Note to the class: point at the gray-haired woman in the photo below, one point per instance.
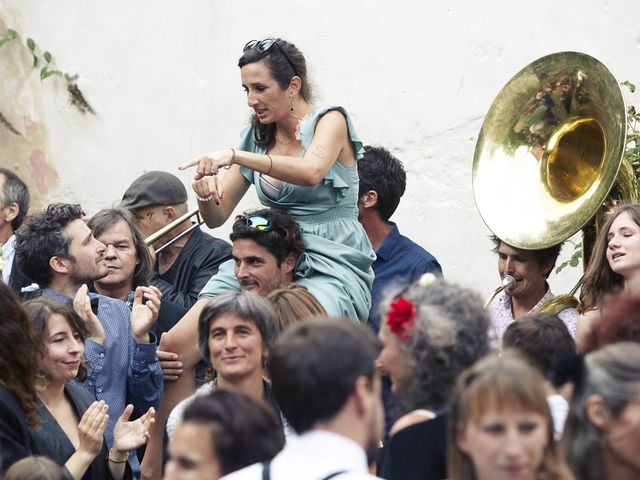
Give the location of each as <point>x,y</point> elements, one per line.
<point>430,332</point>
<point>235,332</point>
<point>602,433</point>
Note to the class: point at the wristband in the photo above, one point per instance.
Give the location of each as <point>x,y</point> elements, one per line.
<point>112,460</point>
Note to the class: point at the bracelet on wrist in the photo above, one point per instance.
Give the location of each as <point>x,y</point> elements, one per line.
<point>204,199</point>
<point>112,459</point>
<point>270,164</point>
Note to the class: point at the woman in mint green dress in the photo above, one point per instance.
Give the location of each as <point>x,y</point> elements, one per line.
<point>300,158</point>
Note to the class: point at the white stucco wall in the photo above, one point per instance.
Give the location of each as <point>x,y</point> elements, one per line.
<point>418,77</point>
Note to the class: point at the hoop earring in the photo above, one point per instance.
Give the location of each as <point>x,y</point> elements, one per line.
<point>41,381</point>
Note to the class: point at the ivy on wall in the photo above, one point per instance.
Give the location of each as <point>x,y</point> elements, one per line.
<point>43,60</point>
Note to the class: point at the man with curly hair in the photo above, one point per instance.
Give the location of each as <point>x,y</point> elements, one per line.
<point>57,249</point>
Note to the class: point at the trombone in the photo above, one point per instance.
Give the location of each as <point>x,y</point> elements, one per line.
<point>167,228</point>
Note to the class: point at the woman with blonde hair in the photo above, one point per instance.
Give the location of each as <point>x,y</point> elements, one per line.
<point>35,468</point>
<point>500,426</point>
<point>294,303</point>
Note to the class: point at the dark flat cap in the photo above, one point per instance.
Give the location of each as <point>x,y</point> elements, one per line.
<point>154,188</point>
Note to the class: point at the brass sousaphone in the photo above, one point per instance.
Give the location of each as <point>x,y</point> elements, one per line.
<point>549,155</point>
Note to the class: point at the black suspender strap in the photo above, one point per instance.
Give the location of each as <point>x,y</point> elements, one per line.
<point>334,475</point>
<point>266,472</point>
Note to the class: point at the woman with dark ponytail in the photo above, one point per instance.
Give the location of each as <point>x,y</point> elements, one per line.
<point>20,357</point>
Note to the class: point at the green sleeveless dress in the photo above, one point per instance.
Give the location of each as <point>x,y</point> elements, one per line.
<point>336,266</point>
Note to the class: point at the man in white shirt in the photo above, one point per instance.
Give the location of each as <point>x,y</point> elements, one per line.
<point>14,204</point>
<point>530,291</point>
<point>324,379</point>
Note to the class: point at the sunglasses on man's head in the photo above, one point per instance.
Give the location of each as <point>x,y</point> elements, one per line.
<point>258,222</point>
<point>263,46</point>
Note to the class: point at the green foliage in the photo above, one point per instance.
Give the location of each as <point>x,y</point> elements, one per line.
<point>575,259</point>
<point>76,98</point>
<point>632,148</point>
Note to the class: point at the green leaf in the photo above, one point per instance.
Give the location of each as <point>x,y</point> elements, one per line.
<point>5,40</point>
<point>12,33</point>
<point>43,73</point>
<point>629,85</point>
<point>35,60</point>
<point>47,56</point>
<point>31,44</point>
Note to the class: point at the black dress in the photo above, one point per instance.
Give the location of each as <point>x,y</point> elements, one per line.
<point>417,452</point>
<point>15,439</point>
<point>52,442</point>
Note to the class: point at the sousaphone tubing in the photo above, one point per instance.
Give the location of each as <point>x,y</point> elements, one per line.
<point>550,151</point>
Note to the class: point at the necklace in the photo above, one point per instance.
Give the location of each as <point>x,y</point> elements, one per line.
<point>282,141</point>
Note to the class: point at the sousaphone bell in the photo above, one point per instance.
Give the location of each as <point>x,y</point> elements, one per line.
<point>550,152</point>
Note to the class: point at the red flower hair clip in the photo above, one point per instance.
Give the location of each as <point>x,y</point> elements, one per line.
<point>401,318</point>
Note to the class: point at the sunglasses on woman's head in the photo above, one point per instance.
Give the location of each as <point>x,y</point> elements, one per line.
<point>263,46</point>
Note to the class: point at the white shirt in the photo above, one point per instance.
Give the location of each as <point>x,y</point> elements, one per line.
<point>559,409</point>
<point>178,411</point>
<point>502,315</point>
<point>8,254</point>
<point>313,455</point>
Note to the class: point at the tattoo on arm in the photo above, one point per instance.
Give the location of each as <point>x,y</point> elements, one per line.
<point>319,151</point>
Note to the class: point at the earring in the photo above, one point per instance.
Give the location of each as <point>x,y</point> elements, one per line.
<point>291,97</point>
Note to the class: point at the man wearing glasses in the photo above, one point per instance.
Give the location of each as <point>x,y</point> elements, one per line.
<point>156,199</point>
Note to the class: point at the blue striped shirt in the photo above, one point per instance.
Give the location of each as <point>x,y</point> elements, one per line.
<point>121,370</point>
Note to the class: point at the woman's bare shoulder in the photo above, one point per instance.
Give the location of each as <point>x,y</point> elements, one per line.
<point>411,418</point>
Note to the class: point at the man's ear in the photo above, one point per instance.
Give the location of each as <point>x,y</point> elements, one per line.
<point>597,412</point>
<point>10,212</point>
<point>369,199</point>
<point>170,213</point>
<point>289,262</point>
<point>59,264</point>
<point>362,391</point>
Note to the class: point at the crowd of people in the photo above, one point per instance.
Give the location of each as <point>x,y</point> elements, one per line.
<point>318,343</point>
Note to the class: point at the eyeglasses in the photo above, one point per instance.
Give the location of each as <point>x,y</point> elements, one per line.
<point>263,46</point>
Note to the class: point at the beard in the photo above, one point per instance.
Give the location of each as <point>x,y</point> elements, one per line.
<point>79,276</point>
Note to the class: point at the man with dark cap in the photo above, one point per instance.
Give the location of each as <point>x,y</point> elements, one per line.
<point>181,270</point>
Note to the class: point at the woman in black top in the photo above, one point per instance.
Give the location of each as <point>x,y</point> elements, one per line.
<point>71,422</point>
<point>430,331</point>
